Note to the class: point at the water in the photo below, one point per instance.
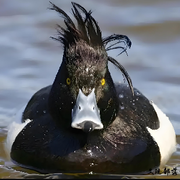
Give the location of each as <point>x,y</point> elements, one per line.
<point>30,58</point>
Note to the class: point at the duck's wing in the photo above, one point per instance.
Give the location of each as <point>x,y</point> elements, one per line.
<point>37,105</point>
<point>136,109</point>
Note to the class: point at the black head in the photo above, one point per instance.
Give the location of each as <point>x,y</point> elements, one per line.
<point>83,83</point>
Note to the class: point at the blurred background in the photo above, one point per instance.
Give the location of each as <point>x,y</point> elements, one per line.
<point>30,59</point>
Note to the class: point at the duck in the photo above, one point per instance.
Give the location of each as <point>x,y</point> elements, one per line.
<point>84,121</point>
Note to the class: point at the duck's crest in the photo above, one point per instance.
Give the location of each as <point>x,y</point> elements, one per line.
<point>87,29</point>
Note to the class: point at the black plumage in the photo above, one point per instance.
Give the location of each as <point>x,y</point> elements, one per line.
<point>49,143</point>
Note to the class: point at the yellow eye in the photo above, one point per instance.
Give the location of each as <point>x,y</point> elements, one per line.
<point>68,81</point>
<point>103,82</point>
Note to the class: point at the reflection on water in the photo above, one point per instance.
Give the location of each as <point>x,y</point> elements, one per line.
<point>30,59</point>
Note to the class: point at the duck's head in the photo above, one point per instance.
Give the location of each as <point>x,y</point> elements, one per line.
<point>83,95</point>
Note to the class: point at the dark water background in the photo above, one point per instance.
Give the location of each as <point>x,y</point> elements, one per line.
<point>29,58</point>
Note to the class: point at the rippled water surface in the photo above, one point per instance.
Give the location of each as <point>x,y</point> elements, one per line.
<point>29,59</point>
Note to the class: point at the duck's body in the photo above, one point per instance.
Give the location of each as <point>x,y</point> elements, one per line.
<point>85,122</point>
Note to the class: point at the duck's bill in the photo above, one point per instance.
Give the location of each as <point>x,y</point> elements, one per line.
<point>85,114</point>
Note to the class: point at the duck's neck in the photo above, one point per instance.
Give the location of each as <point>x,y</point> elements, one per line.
<point>109,104</point>
<point>60,101</point>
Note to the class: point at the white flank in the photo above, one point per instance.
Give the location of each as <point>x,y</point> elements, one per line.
<point>14,129</point>
<point>164,136</point>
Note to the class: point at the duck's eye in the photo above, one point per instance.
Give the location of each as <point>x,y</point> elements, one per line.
<point>68,81</point>
<point>103,82</point>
